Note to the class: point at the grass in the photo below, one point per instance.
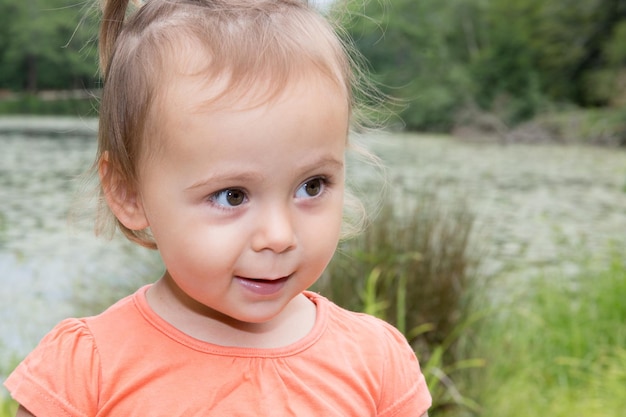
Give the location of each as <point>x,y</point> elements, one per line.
<point>560,350</point>
<point>8,407</point>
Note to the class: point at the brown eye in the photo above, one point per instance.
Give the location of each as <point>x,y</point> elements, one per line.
<point>234,197</point>
<point>311,188</point>
<point>229,198</point>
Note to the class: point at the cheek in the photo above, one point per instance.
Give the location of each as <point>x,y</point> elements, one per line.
<point>199,252</point>
<point>324,235</point>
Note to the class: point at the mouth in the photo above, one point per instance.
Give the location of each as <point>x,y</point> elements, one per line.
<point>263,286</point>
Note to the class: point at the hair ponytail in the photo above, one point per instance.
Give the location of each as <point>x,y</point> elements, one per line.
<point>113,15</point>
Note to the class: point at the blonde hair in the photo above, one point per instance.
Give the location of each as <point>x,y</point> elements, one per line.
<point>251,42</point>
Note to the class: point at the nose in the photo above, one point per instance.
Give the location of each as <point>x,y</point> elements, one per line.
<point>275,230</point>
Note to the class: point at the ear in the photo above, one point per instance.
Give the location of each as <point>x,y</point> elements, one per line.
<point>122,198</point>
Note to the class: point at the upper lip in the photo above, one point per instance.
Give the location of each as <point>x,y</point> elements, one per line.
<point>262,278</point>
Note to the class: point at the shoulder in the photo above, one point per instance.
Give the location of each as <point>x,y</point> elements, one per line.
<point>70,335</point>
<point>360,327</point>
<point>374,342</point>
<point>61,375</point>
<point>384,352</point>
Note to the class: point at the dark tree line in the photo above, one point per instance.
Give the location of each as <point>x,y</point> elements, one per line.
<point>513,58</point>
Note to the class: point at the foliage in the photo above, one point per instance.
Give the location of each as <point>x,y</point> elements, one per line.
<point>46,44</point>
<point>30,104</point>
<point>412,267</point>
<point>411,52</point>
<point>561,345</point>
<point>513,58</point>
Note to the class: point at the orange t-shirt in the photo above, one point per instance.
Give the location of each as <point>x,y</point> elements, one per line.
<point>129,362</point>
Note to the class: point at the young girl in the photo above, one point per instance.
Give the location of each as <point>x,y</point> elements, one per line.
<point>222,137</point>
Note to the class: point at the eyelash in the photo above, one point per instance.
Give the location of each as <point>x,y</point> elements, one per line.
<point>325,182</point>
<point>213,198</point>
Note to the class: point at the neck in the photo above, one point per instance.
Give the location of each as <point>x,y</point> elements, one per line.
<point>201,322</point>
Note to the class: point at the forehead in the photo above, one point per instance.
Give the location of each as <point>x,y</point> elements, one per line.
<point>191,68</point>
<point>195,94</point>
<point>307,122</point>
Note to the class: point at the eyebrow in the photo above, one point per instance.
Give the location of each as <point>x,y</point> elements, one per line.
<point>326,162</point>
<point>235,177</point>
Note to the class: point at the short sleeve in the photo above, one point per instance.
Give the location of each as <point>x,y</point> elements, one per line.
<point>60,376</point>
<point>404,393</point>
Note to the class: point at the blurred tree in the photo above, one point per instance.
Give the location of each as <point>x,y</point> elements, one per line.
<point>513,58</point>
<point>417,54</point>
<point>601,70</point>
<point>46,44</point>
<point>505,71</point>
<point>563,40</point>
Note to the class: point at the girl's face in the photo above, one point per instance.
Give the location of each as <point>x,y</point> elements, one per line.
<point>245,203</point>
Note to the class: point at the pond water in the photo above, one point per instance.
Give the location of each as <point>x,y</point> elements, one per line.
<point>535,207</point>
<point>52,267</point>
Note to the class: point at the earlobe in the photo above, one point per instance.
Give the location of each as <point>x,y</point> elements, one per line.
<point>123,200</point>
